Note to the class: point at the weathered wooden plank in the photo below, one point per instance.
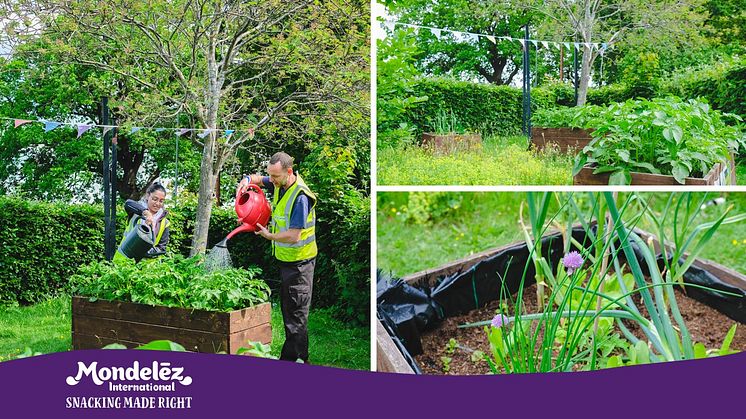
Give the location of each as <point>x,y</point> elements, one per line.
<point>83,341</point>
<point>260,333</point>
<point>389,359</point>
<point>586,177</point>
<point>192,340</point>
<point>565,139</point>
<point>209,321</point>
<point>249,317</point>
<point>451,142</point>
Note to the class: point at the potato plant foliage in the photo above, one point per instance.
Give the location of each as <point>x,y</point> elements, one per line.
<point>660,136</point>
<point>172,281</point>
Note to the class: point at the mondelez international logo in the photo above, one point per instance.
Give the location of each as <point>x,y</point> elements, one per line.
<point>155,373</point>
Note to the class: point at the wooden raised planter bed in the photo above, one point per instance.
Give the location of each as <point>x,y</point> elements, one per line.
<point>391,359</point>
<point>449,143</point>
<point>99,323</point>
<point>566,140</point>
<point>720,174</point>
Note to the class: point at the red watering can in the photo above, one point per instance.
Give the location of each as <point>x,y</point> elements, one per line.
<point>252,208</point>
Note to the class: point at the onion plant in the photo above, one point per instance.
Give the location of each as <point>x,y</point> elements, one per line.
<point>592,287</point>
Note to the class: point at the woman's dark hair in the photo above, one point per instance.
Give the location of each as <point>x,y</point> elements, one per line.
<point>155,186</point>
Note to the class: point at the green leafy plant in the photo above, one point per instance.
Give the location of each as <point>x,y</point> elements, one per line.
<point>172,281</point>
<point>660,136</point>
<point>257,349</point>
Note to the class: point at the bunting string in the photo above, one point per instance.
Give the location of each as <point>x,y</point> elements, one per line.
<point>471,36</point>
<point>83,128</point>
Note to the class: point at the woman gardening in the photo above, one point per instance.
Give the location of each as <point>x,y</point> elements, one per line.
<point>147,212</point>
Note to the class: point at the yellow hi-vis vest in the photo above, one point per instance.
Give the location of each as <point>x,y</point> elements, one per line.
<point>133,221</point>
<point>305,248</point>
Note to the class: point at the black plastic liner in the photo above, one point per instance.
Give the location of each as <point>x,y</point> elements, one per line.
<point>408,311</point>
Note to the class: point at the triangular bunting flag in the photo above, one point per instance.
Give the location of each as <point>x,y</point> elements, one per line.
<point>545,44</point>
<point>535,42</point>
<point>160,129</point>
<point>492,39</point>
<point>19,122</point>
<point>567,45</point>
<point>82,129</point>
<point>523,43</point>
<point>577,46</point>
<point>435,32</point>
<point>50,125</point>
<point>134,130</point>
<point>108,128</point>
<point>182,131</point>
<point>204,133</point>
<point>228,132</point>
<point>388,25</point>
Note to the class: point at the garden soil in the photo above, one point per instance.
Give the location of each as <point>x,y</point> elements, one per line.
<point>706,325</point>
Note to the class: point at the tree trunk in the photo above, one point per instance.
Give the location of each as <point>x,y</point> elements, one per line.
<point>204,201</point>
<point>585,75</point>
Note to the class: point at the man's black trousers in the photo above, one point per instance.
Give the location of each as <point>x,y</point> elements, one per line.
<point>295,301</point>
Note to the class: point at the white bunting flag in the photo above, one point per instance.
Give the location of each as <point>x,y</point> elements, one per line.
<point>492,39</point>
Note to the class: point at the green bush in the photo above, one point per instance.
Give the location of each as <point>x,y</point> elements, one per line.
<point>44,244</point>
<point>606,95</point>
<point>722,83</point>
<point>477,107</point>
<point>483,108</point>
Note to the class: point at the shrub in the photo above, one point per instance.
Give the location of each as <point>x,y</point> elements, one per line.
<point>478,107</point>
<point>722,83</point>
<point>44,244</point>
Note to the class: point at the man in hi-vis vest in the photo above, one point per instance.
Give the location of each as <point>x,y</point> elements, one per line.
<point>293,235</point>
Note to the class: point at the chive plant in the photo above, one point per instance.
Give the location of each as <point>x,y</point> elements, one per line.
<point>591,284</point>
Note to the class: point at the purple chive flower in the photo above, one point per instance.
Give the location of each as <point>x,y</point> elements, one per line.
<point>572,261</point>
<point>499,321</point>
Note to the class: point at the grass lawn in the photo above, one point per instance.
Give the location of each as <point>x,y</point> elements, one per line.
<point>45,328</point>
<point>502,161</point>
<point>740,173</point>
<point>487,220</point>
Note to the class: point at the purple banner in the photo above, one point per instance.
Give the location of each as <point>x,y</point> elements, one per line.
<point>118,383</point>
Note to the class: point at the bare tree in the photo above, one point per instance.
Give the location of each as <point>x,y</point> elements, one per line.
<point>604,21</point>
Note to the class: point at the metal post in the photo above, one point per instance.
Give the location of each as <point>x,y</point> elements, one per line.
<point>108,251</point>
<point>575,70</point>
<point>526,86</point>
<point>176,177</point>
<point>113,206</point>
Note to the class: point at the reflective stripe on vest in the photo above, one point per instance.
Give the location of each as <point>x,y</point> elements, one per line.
<point>305,248</point>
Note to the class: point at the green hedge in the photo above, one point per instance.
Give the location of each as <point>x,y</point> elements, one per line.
<point>723,84</point>
<point>477,107</point>
<point>490,109</point>
<point>43,244</point>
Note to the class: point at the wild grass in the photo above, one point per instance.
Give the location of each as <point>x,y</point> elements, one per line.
<point>502,161</point>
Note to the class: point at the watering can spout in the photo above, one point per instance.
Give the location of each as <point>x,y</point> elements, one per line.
<point>223,244</point>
